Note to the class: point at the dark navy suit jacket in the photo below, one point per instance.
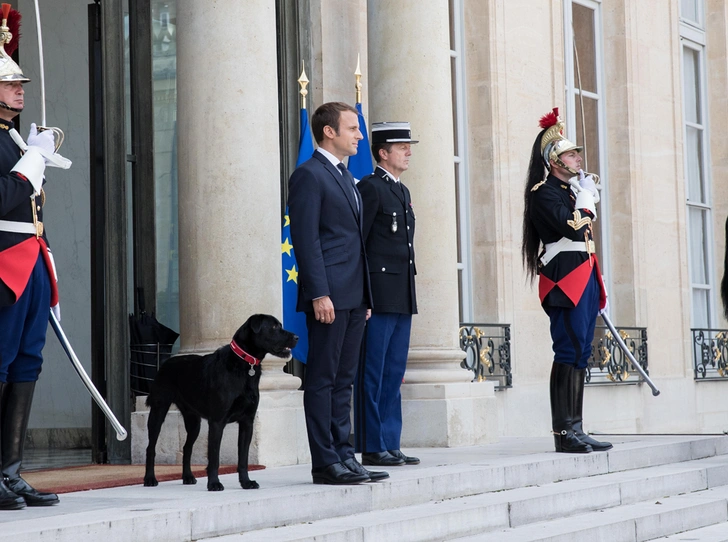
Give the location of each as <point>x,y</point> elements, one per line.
<point>327,237</point>
<point>391,254</point>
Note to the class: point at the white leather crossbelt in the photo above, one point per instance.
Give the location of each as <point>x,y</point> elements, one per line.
<point>564,245</point>
<point>17,227</point>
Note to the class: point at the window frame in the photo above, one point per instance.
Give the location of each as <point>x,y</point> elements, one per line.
<point>693,37</point>
<point>460,161</point>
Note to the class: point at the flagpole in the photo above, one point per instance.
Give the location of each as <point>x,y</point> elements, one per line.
<point>357,75</point>
<point>303,82</point>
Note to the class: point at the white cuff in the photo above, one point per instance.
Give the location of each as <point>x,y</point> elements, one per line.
<point>585,200</point>
<point>32,165</point>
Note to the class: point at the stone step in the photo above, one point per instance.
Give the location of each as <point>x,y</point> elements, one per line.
<point>453,480</point>
<point>501,510</point>
<point>638,522</point>
<point>713,533</point>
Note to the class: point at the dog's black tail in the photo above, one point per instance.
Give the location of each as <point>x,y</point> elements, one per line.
<point>724,282</point>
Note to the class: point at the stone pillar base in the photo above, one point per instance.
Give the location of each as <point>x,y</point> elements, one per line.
<point>279,434</point>
<point>449,414</point>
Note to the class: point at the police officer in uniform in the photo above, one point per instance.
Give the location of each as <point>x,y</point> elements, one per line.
<point>558,245</point>
<point>389,228</point>
<point>27,278</point>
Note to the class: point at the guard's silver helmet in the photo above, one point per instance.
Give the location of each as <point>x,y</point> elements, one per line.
<point>9,70</point>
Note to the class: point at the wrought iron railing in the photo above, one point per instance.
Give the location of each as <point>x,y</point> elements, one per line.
<point>710,354</point>
<point>487,350</point>
<point>608,364</point>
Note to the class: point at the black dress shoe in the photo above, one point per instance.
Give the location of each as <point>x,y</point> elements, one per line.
<point>10,500</point>
<point>337,474</point>
<point>32,496</point>
<point>354,466</point>
<point>408,460</point>
<point>381,459</point>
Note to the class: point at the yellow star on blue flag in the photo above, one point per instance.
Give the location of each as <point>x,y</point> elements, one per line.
<point>286,247</point>
<point>292,274</point>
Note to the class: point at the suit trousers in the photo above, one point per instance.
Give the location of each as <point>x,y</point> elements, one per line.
<point>333,355</point>
<point>572,330</point>
<point>23,327</point>
<point>378,401</point>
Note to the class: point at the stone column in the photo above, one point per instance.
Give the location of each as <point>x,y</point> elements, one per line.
<point>229,198</point>
<point>409,74</point>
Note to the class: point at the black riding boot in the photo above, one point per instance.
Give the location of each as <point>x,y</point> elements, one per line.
<point>17,399</point>
<point>561,411</point>
<point>578,408</point>
<point>8,499</point>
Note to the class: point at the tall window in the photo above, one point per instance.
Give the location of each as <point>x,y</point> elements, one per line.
<point>584,100</point>
<point>697,178</point>
<point>462,187</point>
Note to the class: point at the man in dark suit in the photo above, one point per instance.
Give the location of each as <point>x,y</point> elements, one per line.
<point>333,290</point>
<point>389,229</point>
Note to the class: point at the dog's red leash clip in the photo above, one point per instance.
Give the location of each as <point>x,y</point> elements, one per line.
<point>242,354</point>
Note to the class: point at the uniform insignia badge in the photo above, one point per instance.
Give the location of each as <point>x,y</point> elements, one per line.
<point>251,372</point>
<point>394,222</point>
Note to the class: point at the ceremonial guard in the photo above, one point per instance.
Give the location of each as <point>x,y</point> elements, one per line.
<point>389,228</point>
<point>27,273</point>
<point>558,245</point>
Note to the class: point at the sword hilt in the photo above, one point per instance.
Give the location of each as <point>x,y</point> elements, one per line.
<point>58,135</point>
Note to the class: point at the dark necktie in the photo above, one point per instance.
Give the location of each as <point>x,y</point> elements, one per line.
<point>347,175</point>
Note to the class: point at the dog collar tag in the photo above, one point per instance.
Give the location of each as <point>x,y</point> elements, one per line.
<point>242,354</point>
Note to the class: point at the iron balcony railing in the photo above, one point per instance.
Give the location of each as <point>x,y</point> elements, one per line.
<point>487,350</point>
<point>608,364</point>
<point>710,354</point>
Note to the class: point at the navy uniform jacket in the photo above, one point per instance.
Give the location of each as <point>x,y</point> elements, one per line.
<point>326,233</point>
<point>18,251</point>
<point>391,254</point>
<point>563,279</point>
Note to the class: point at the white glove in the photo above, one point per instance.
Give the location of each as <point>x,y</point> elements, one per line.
<point>57,311</point>
<point>586,182</point>
<point>44,140</point>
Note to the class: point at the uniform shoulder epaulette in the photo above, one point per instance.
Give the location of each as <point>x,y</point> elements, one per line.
<point>538,185</point>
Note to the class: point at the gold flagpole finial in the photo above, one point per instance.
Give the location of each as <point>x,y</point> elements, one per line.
<point>357,74</point>
<point>303,82</point>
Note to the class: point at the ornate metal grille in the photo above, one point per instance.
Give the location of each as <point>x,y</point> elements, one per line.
<point>487,350</point>
<point>608,364</point>
<point>710,354</point>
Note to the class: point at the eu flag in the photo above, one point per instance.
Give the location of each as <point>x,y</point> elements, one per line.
<point>295,321</point>
<point>360,164</point>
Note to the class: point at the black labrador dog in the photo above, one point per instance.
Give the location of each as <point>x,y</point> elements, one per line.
<point>221,387</point>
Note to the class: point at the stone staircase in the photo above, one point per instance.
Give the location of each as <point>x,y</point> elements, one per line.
<point>646,488</point>
<point>635,492</point>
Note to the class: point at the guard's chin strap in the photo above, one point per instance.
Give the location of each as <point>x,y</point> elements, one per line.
<point>13,109</point>
<point>561,164</point>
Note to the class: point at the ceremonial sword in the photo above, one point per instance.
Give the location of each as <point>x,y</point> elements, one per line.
<point>577,188</point>
<point>623,348</point>
<point>121,433</point>
<point>617,337</point>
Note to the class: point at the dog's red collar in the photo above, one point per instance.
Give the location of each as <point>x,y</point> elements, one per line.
<point>242,354</point>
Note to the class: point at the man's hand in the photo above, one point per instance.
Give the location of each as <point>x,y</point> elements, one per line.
<point>323,310</point>
<point>369,313</point>
<point>44,140</point>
